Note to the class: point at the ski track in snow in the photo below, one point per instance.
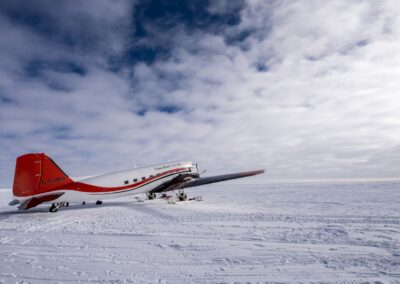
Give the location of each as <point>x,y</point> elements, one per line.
<point>264,233</point>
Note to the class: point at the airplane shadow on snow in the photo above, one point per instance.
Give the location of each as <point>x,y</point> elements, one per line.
<point>131,205</point>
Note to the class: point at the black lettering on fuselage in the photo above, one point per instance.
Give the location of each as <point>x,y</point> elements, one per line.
<point>53,180</point>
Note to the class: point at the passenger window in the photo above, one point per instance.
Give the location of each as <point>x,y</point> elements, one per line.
<point>135,180</point>
<point>126,182</point>
<point>143,178</point>
<point>151,176</point>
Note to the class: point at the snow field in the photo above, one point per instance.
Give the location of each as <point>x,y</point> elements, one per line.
<point>269,233</point>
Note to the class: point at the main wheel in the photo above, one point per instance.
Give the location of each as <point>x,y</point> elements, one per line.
<point>182,196</point>
<point>151,195</point>
<point>99,202</point>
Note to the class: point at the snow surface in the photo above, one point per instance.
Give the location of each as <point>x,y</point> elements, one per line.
<point>285,233</point>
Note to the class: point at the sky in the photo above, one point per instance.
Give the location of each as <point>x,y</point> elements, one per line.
<point>304,89</point>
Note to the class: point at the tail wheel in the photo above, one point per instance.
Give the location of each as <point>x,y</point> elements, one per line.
<point>53,208</point>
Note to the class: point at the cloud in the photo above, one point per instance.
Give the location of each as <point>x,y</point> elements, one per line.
<point>304,89</point>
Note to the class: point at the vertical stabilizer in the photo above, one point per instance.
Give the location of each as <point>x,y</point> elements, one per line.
<point>36,173</point>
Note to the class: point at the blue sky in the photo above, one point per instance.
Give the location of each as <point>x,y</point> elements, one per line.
<point>305,89</point>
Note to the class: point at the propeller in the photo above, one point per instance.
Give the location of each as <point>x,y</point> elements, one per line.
<point>197,167</point>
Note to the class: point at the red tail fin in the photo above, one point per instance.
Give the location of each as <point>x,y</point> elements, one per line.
<point>36,173</point>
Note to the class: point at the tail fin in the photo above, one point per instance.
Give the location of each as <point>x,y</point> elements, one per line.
<point>36,173</point>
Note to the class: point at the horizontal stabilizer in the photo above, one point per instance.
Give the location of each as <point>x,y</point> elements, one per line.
<point>35,201</point>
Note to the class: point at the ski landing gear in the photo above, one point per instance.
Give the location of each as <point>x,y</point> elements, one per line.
<point>151,195</point>
<point>181,195</point>
<point>54,207</point>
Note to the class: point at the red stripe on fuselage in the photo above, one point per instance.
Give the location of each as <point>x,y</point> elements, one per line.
<point>83,187</point>
<point>89,188</point>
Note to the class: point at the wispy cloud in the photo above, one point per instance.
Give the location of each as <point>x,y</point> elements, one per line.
<point>305,89</point>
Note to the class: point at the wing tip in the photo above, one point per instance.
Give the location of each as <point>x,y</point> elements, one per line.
<point>257,172</point>
<point>252,173</point>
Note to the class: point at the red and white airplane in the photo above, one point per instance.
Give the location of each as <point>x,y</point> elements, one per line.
<point>38,180</point>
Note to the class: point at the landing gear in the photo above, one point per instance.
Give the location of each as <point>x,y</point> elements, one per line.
<point>99,202</point>
<point>83,203</point>
<point>54,207</point>
<point>151,195</point>
<point>182,196</point>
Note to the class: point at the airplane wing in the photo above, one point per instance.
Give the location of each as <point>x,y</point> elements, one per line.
<point>212,179</point>
<point>191,180</point>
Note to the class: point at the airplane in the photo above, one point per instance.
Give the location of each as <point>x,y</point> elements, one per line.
<point>38,179</point>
